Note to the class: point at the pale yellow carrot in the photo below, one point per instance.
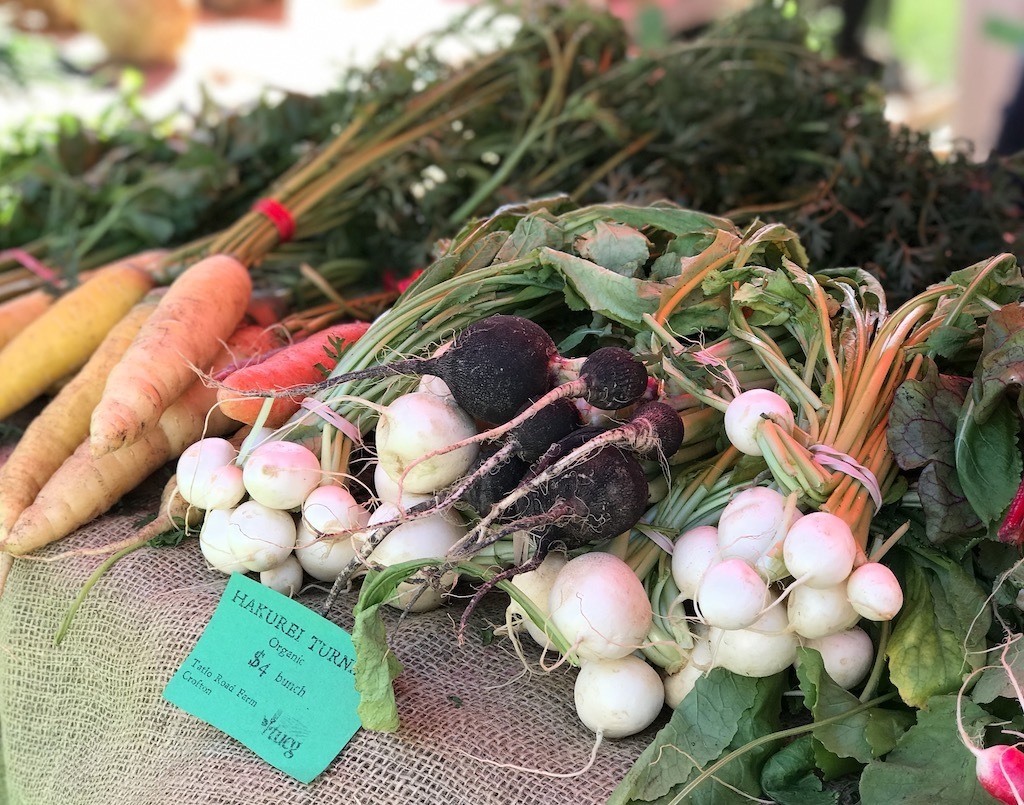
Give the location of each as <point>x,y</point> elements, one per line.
<point>61,426</point>
<point>85,486</point>
<point>62,338</point>
<point>201,308</point>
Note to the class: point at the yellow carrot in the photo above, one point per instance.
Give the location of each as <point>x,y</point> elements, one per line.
<point>61,426</point>
<point>16,313</point>
<point>85,486</point>
<point>201,308</point>
<point>61,339</point>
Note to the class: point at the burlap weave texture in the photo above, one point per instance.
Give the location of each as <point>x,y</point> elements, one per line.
<point>84,723</point>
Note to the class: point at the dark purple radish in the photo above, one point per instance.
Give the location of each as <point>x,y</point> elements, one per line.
<point>493,368</point>
<point>532,438</point>
<point>610,378</point>
<point>654,432</point>
<point>497,471</point>
<point>530,488</point>
<point>599,498</point>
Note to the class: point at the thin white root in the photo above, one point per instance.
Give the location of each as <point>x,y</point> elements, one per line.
<point>561,775</point>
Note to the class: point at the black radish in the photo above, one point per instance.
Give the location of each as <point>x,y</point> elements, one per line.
<point>493,367</point>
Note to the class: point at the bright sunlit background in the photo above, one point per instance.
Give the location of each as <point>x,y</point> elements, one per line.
<point>948,65</point>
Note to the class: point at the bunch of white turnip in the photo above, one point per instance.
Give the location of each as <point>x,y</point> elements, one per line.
<point>756,585</point>
<point>273,510</point>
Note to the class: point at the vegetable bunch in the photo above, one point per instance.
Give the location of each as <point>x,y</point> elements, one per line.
<point>719,315</point>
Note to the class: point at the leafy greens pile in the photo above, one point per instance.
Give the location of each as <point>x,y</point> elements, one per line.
<point>746,121</point>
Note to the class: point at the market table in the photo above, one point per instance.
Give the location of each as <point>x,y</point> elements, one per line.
<point>84,723</point>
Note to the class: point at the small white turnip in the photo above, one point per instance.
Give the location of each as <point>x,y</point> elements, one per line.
<point>536,585</point>
<point>816,612</point>
<point>419,423</point>
<point>600,606</point>
<point>731,595</point>
<point>820,550</point>
<point>847,655</point>
<point>679,684</point>
<point>332,510</point>
<point>323,558</point>
<point>213,542</point>
<point>260,537</point>
<point>766,647</point>
<point>618,697</point>
<point>281,474</point>
<point>207,478</point>
<point>746,414</point>
<point>323,541</point>
<point>694,552</point>
<point>387,490</point>
<point>425,538</point>
<point>286,578</point>
<point>753,526</point>
<point>875,592</point>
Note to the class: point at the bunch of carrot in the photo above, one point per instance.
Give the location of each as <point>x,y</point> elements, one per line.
<point>137,360</point>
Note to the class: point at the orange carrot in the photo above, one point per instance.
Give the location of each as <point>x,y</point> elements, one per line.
<point>16,313</point>
<point>63,337</point>
<point>296,365</point>
<point>201,308</point>
<point>60,427</point>
<point>85,486</point>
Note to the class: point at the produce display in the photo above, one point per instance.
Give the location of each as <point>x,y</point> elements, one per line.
<point>759,495</point>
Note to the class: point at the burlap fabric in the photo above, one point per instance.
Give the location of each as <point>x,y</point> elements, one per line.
<point>84,723</point>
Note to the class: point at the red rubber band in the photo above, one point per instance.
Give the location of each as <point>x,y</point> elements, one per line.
<point>279,217</point>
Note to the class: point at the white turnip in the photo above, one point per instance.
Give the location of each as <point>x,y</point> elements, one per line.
<point>700,662</point>
<point>424,538</point>
<point>847,655</point>
<point>731,595</point>
<point>764,648</point>
<point>815,612</point>
<point>600,606</point>
<point>694,552</point>
<point>286,578</point>
<point>746,414</point>
<point>536,585</point>
<point>213,542</point>
<point>753,526</point>
<point>207,476</point>
<point>618,697</point>
<point>416,424</point>
<point>260,537</point>
<point>819,550</point>
<point>280,474</point>
<point>875,592</point>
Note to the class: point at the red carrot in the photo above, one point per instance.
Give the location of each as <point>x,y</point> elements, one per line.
<point>300,364</point>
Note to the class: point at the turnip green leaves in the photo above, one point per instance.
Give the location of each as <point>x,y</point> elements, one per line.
<point>933,645</point>
<point>723,712</point>
<point>929,765</point>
